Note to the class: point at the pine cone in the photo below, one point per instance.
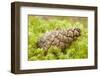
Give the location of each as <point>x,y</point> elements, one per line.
<point>59,38</point>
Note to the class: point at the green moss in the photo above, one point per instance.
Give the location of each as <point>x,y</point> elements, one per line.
<point>38,25</point>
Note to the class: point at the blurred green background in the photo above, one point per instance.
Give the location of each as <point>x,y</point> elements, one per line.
<point>38,25</point>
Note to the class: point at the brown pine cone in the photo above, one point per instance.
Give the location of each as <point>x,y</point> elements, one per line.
<point>59,38</point>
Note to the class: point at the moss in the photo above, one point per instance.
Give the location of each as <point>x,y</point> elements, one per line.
<point>37,25</point>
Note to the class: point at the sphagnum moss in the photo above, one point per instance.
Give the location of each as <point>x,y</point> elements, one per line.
<point>38,25</point>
